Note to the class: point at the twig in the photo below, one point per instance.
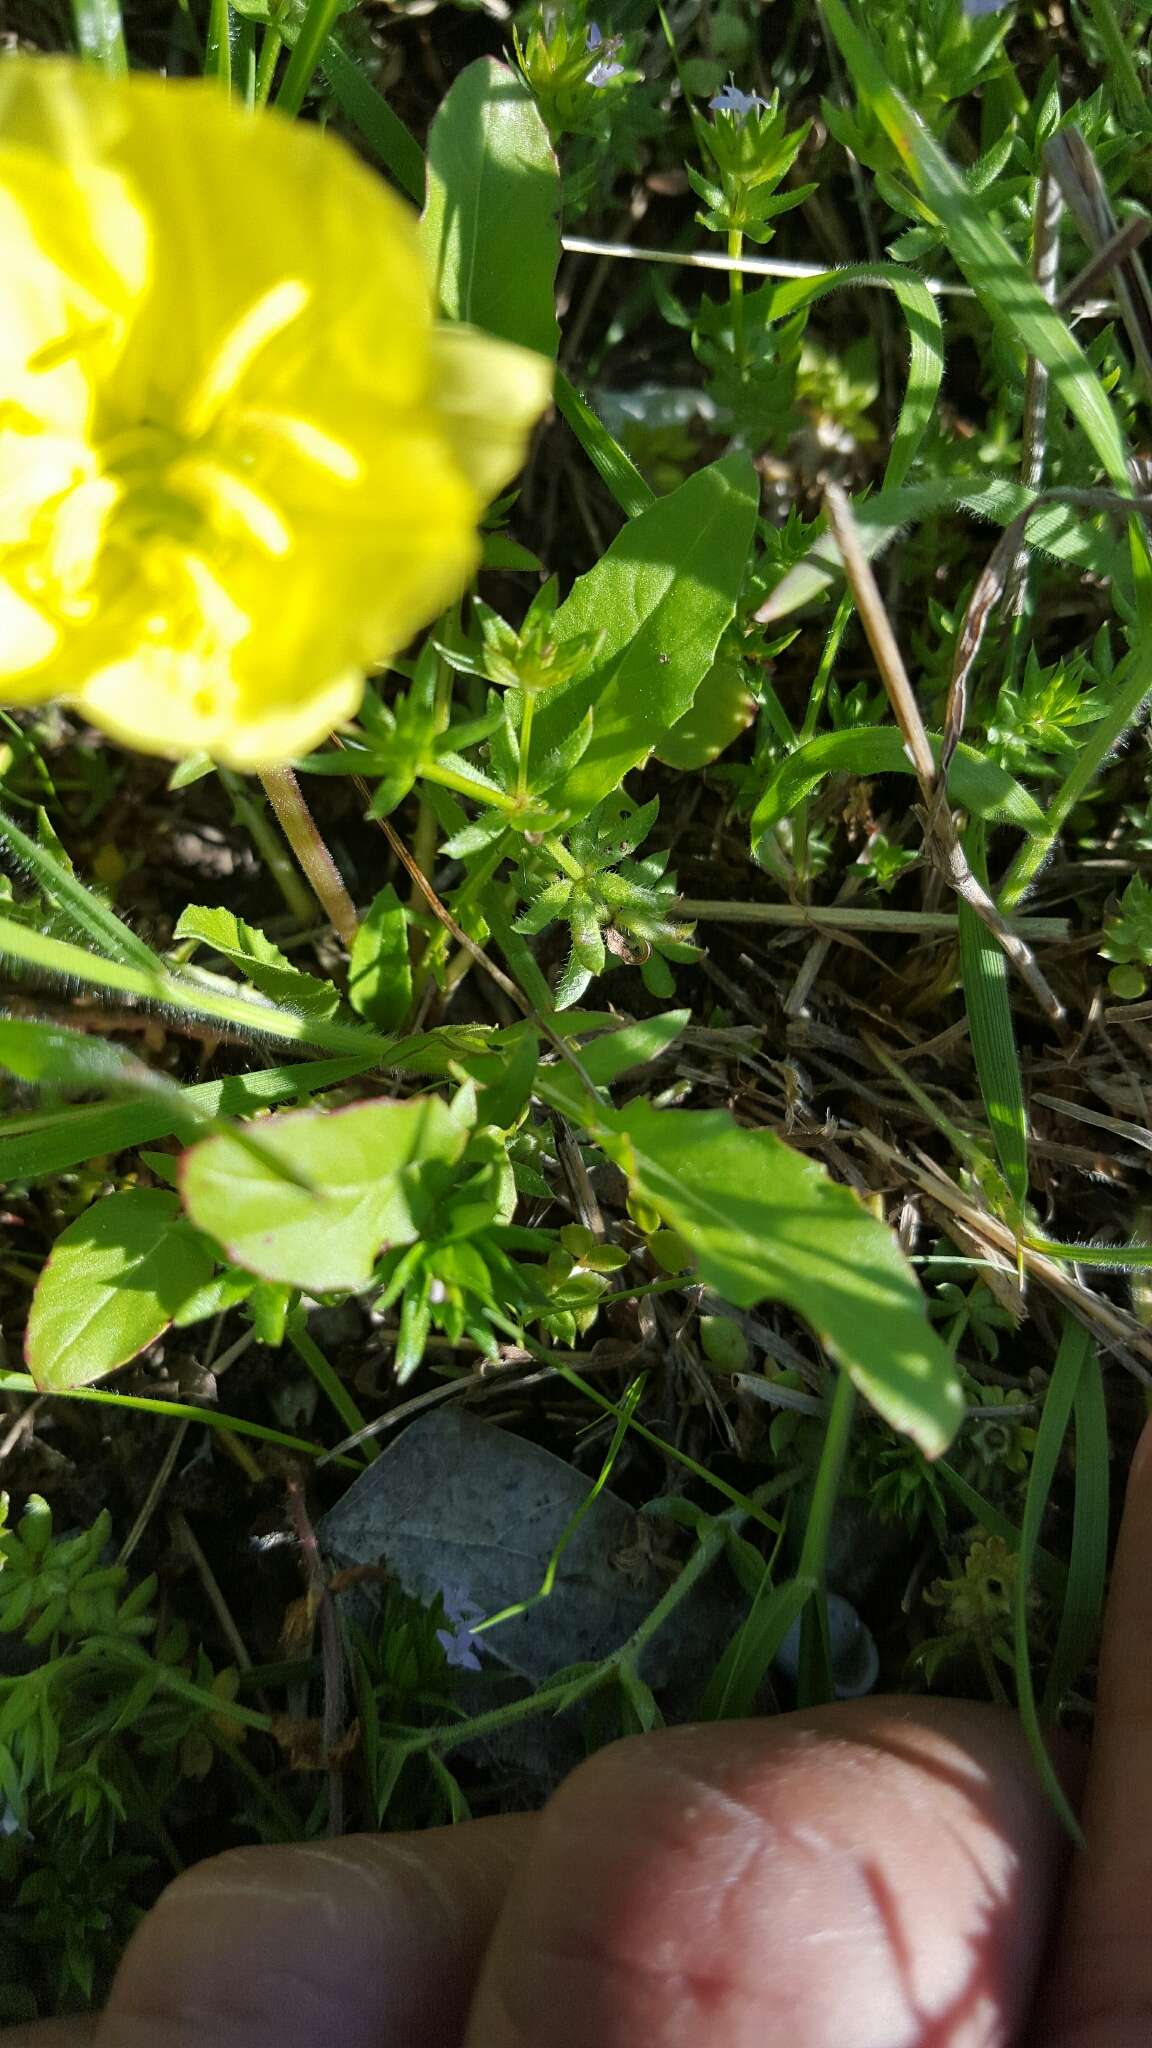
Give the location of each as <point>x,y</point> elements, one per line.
<point>189,1543</point>
<point>163,1475</point>
<point>1074,167</point>
<point>474,951</point>
<point>939,830</point>
<point>752,266</point>
<point>331,1649</point>
<point>1045,270</point>
<point>22,1426</point>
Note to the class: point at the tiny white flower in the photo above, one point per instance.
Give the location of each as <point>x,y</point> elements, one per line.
<point>730,100</point>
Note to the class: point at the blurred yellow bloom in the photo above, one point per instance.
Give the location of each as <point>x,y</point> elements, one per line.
<point>239,461</point>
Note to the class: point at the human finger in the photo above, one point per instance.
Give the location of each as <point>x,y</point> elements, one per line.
<point>874,1875</point>
<point>369,1942</point>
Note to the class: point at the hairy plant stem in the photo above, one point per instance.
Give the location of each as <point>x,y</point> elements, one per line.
<point>300,830</point>
<point>196,995</point>
<point>268,845</point>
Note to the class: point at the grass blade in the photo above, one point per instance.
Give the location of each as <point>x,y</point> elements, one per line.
<point>384,132</point>
<point>604,452</point>
<point>178,1411</point>
<point>1061,531</point>
<point>984,972</point>
<point>984,788</point>
<point>1088,1562</point>
<point>218,44</point>
<point>302,65</point>
<point>815,1685</point>
<point>1051,1573</point>
<point>1072,1360</point>
<point>731,1692</point>
<point>49,956</point>
<point>1116,1258</point>
<point>52,1141</point>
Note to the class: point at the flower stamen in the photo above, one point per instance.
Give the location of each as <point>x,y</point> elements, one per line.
<point>256,328</point>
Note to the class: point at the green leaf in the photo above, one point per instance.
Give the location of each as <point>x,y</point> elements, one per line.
<point>506,1080</point>
<point>765,1223</point>
<point>662,596</point>
<point>721,710</point>
<point>491,219</point>
<point>981,786</point>
<point>380,973</point>
<point>368,1189</point>
<point>263,964</point>
<point>112,1284</point>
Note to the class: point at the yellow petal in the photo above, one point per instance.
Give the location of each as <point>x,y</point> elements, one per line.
<point>27,639</point>
<point>158,702</point>
<point>75,244</point>
<point>489,395</point>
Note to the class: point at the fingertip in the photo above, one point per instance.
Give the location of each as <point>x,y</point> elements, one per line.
<point>873,1873</point>
<point>369,1942</point>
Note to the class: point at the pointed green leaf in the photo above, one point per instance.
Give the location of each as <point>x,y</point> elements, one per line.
<point>491,221</point>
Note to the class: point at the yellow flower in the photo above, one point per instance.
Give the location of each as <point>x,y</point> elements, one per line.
<point>239,461</point>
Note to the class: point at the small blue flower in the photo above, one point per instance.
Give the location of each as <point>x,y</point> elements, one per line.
<point>458,1642</point>
<point>730,100</point>
<point>972,7</point>
<point>602,72</point>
